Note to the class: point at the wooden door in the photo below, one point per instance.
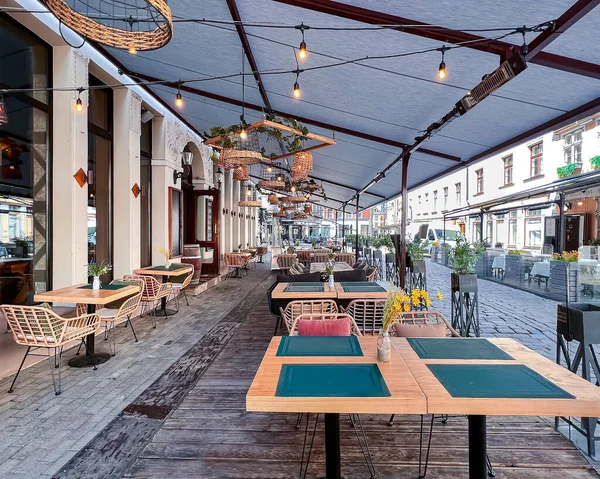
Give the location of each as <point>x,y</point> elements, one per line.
<point>202,227</point>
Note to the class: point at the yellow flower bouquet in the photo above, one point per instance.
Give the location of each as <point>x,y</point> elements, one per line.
<point>168,254</point>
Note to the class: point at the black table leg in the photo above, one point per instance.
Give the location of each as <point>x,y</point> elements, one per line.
<point>163,302</point>
<point>477,447</point>
<point>91,358</point>
<point>333,460</point>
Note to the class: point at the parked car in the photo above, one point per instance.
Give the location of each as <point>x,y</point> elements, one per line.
<point>435,231</point>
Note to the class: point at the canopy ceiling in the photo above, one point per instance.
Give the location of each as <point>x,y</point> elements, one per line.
<point>375,106</point>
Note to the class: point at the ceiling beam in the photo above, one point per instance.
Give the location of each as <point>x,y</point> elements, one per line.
<point>317,123</point>
<point>235,14</point>
<point>575,13</point>
<point>446,35</point>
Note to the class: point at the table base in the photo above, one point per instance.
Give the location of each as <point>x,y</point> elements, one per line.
<point>86,361</point>
<point>477,447</point>
<point>164,312</point>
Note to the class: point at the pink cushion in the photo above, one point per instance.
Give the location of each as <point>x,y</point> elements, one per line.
<point>405,330</point>
<point>324,327</point>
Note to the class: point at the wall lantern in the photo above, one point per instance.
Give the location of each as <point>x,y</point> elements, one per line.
<point>219,174</point>
<point>187,158</point>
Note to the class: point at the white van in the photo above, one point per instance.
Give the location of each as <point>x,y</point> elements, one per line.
<point>434,231</point>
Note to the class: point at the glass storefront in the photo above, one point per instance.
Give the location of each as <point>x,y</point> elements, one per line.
<point>25,165</point>
<point>146,193</point>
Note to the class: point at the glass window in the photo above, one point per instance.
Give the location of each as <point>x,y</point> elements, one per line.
<point>572,146</point>
<point>146,194</point>
<point>512,232</point>
<point>446,198</point>
<point>458,194</point>
<point>479,176</point>
<point>537,160</point>
<point>25,159</point>
<point>508,170</point>
<point>490,232</point>
<point>451,235</point>
<point>533,232</point>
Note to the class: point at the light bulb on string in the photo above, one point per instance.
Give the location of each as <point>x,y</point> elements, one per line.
<point>293,189</point>
<point>296,90</point>
<point>178,97</point>
<point>269,168</point>
<point>78,102</point>
<point>442,72</point>
<point>302,52</point>
<point>243,134</point>
<point>132,50</point>
<point>249,191</point>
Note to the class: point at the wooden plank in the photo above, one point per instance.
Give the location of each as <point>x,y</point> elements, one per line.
<point>76,294</point>
<point>280,293</point>
<point>151,271</point>
<point>341,294</point>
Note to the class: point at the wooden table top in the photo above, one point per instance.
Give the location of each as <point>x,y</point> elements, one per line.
<point>338,266</point>
<point>415,390</point>
<point>585,404</point>
<point>406,395</point>
<point>341,294</point>
<point>162,272</point>
<point>76,294</point>
<point>280,293</point>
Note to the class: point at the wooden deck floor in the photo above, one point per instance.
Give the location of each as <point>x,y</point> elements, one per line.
<point>210,435</point>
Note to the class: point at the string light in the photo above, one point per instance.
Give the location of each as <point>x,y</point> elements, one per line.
<point>302,52</point>
<point>442,69</point>
<point>249,191</point>
<point>269,168</point>
<point>78,102</point>
<point>296,85</point>
<point>293,189</point>
<point>132,50</point>
<point>243,134</point>
<point>178,97</point>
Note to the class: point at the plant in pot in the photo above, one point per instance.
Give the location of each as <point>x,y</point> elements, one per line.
<point>415,255</point>
<point>95,270</point>
<point>464,257</point>
<point>564,276</point>
<point>595,162</point>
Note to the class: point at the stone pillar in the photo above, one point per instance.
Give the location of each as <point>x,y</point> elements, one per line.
<point>243,230</point>
<point>69,154</point>
<point>162,178</point>
<point>236,219</point>
<point>126,174</point>
<point>222,217</point>
<point>228,182</point>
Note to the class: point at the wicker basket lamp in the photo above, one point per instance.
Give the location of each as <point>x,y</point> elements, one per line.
<point>273,199</point>
<point>280,214</point>
<point>293,200</point>
<point>248,196</point>
<point>132,25</point>
<point>271,177</point>
<point>299,215</point>
<point>241,173</point>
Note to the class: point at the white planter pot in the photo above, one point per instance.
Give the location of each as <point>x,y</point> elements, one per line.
<point>96,282</point>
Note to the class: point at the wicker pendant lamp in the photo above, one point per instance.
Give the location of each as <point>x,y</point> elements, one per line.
<point>299,215</point>
<point>273,199</point>
<point>248,197</point>
<point>134,25</point>
<point>240,173</point>
<point>271,177</point>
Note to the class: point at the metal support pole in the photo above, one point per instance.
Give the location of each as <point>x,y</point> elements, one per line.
<point>477,447</point>
<point>333,461</point>
<point>344,228</point>
<point>561,224</point>
<point>336,226</point>
<point>357,201</point>
<point>481,226</point>
<point>405,161</point>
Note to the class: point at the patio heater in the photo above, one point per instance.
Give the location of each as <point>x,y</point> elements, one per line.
<point>187,158</point>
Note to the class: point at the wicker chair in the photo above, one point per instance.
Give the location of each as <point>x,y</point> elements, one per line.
<point>325,317</point>
<point>322,250</point>
<point>285,262</point>
<point>417,324</point>
<point>348,258</point>
<point>304,256</point>
<point>252,258</point>
<point>180,283</point>
<point>320,257</point>
<point>296,308</point>
<point>260,252</point>
<point>367,313</point>
<point>37,327</point>
<point>236,264</point>
<point>152,293</point>
<point>371,272</point>
<point>119,310</point>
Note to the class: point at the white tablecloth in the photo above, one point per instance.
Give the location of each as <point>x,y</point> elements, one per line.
<point>541,269</point>
<point>498,262</point>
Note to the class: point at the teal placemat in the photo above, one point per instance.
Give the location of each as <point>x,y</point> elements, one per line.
<point>319,346</point>
<point>173,267</point>
<point>456,348</point>
<point>305,283</point>
<point>364,289</point>
<point>495,381</point>
<point>367,284</point>
<point>331,380</point>
<point>105,286</point>
<point>304,288</point>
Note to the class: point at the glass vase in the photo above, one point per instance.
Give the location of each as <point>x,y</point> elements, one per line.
<point>96,282</point>
<point>384,347</point>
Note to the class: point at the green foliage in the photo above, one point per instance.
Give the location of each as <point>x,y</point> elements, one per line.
<point>595,162</point>
<point>98,269</point>
<point>595,242</point>
<point>384,241</point>
<point>416,249</point>
<point>464,256</point>
<point>567,170</point>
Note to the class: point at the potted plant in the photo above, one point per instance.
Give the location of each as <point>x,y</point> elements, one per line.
<point>595,162</point>
<point>415,255</point>
<point>564,276</point>
<point>513,265</point>
<point>569,169</point>
<point>95,270</point>
<point>464,257</point>
<point>168,254</point>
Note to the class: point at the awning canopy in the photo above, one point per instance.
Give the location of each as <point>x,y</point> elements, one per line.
<point>375,107</point>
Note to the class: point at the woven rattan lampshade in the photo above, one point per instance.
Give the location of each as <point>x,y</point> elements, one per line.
<point>299,215</point>
<point>280,214</point>
<point>298,173</point>
<point>133,25</point>
<point>273,199</point>
<point>304,160</point>
<point>307,209</point>
<point>240,173</point>
<point>271,177</point>
<point>293,200</point>
<point>241,157</point>
<point>248,196</point>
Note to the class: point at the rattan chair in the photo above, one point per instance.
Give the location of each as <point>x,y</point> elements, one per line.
<point>117,311</point>
<point>296,268</point>
<point>320,258</point>
<point>180,283</point>
<point>348,258</point>
<point>236,264</point>
<point>304,256</point>
<point>37,327</point>
<point>252,258</point>
<point>371,273</point>
<point>152,293</point>
<point>296,308</point>
<point>260,252</point>
<point>285,262</point>
<point>325,317</point>
<point>424,320</point>
<point>367,313</point>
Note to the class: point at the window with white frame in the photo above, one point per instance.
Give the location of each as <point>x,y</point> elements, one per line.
<point>479,176</point>
<point>458,194</point>
<point>434,200</point>
<point>508,170</point>
<point>445,197</point>
<point>536,164</point>
<point>533,232</point>
<point>572,146</point>
<point>512,232</point>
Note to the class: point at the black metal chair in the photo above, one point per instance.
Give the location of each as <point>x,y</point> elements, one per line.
<point>274,307</point>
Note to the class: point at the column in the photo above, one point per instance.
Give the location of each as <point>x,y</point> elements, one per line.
<point>126,174</point>
<point>228,182</point>
<point>162,178</point>
<point>222,232</point>
<point>69,154</point>
<point>243,227</point>
<point>236,219</point>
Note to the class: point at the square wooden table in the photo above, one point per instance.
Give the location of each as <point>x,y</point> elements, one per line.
<point>80,293</point>
<point>406,397</point>
<point>548,389</point>
<point>372,290</point>
<point>174,270</point>
<point>584,400</point>
<point>280,292</point>
<point>338,266</point>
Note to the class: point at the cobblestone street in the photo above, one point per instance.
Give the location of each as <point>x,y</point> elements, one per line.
<point>504,311</point>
